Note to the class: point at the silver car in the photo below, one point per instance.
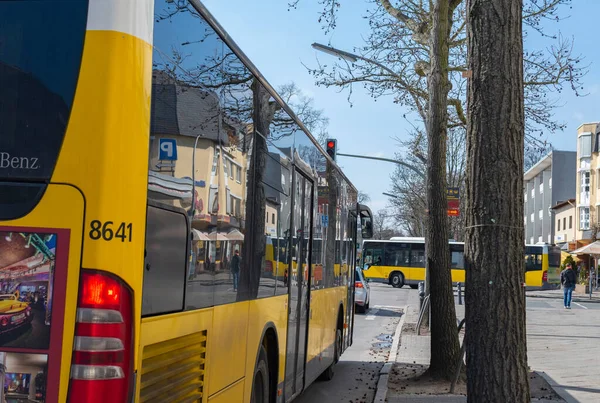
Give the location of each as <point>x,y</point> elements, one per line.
<point>362,292</point>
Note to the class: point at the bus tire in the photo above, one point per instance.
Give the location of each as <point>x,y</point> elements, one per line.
<point>260,382</point>
<point>328,374</point>
<point>397,280</point>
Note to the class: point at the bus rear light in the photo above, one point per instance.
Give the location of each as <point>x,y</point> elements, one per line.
<point>89,315</point>
<point>100,292</point>
<point>545,276</point>
<point>358,284</point>
<point>102,363</point>
<point>96,372</point>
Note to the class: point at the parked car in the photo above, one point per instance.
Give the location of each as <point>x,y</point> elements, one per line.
<point>362,292</point>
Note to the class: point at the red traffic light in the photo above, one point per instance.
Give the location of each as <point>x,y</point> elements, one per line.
<point>330,144</point>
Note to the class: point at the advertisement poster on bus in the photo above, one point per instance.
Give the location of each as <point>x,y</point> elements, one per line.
<point>24,377</point>
<point>27,267</point>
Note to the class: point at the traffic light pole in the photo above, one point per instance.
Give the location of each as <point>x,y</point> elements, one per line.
<point>404,164</point>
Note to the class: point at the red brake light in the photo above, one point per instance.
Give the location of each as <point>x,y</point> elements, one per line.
<point>358,284</point>
<point>102,363</point>
<point>100,291</point>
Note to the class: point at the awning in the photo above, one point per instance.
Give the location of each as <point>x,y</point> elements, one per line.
<point>591,249</point>
<point>235,235</point>
<point>217,236</point>
<point>199,235</point>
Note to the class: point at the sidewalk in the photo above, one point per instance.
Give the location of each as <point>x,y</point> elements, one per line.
<point>413,356</point>
<point>558,294</point>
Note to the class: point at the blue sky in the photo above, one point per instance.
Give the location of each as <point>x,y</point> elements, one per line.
<point>278,42</point>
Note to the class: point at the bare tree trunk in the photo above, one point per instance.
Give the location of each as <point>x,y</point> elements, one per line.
<point>444,336</point>
<point>495,301</point>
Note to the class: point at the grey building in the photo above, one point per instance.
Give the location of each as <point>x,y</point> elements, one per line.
<point>550,181</point>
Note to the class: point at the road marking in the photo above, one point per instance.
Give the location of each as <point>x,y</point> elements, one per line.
<point>584,307</point>
<point>372,315</point>
<point>387,306</point>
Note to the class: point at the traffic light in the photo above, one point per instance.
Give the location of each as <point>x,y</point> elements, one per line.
<point>331,148</point>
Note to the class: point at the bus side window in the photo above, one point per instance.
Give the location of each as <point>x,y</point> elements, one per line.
<point>458,259</point>
<point>417,256</point>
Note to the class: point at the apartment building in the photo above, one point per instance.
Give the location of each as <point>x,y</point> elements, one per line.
<point>547,183</point>
<point>588,179</point>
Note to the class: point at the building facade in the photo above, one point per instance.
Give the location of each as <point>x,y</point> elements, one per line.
<point>588,180</point>
<point>547,183</point>
<point>565,225</point>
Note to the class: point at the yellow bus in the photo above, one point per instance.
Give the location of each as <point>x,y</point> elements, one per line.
<point>140,152</point>
<point>401,261</point>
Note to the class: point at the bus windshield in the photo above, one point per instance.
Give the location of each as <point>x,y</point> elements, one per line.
<point>41,44</point>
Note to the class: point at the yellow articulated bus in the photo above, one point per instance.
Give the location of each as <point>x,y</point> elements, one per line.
<point>401,261</point>
<point>140,152</point>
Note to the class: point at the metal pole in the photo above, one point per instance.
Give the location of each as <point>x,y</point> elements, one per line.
<point>404,164</point>
<point>459,291</point>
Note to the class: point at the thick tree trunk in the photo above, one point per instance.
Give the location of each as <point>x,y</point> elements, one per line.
<point>444,336</point>
<point>495,300</point>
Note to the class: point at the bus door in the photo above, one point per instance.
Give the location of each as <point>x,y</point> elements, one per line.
<point>299,287</point>
<point>352,223</point>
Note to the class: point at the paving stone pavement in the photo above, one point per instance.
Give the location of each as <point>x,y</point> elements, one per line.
<point>562,344</point>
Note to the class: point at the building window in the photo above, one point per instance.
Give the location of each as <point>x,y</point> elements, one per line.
<point>525,197</point>
<point>531,240</point>
<point>584,218</point>
<point>525,220</point>
<point>550,183</point>
<point>558,225</point>
<point>533,193</point>
<point>531,217</point>
<point>585,146</point>
<point>570,222</point>
<point>542,188</point>
<point>273,218</point>
<point>238,174</point>
<point>541,214</point>
<point>231,168</point>
<point>549,239</point>
<point>539,239</point>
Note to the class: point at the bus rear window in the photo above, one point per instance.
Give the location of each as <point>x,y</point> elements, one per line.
<point>41,44</point>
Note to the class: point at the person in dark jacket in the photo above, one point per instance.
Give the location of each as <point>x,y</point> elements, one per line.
<point>568,279</point>
<point>235,268</point>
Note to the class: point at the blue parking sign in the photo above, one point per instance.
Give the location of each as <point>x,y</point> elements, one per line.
<point>167,149</point>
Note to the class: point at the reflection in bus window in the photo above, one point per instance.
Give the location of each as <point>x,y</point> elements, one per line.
<point>374,254</point>
<point>397,254</point>
<point>417,255</point>
<point>458,259</point>
<point>533,262</point>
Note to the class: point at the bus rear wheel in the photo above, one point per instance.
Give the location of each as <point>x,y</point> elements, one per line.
<point>260,384</point>
<point>397,280</point>
<point>327,375</point>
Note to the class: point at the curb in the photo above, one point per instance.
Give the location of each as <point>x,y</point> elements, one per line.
<point>575,299</point>
<point>384,374</point>
<point>554,386</point>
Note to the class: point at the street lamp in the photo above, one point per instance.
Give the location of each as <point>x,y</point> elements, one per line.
<point>335,52</point>
<point>351,57</point>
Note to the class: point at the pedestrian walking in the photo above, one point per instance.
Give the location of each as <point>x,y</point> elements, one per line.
<point>235,268</point>
<point>568,279</point>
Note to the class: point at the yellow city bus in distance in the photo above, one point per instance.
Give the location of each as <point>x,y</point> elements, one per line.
<point>143,158</point>
<point>401,261</point>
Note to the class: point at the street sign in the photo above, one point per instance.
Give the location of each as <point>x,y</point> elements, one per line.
<point>453,204</point>
<point>453,212</point>
<point>453,193</point>
<point>167,149</point>
<point>324,220</point>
